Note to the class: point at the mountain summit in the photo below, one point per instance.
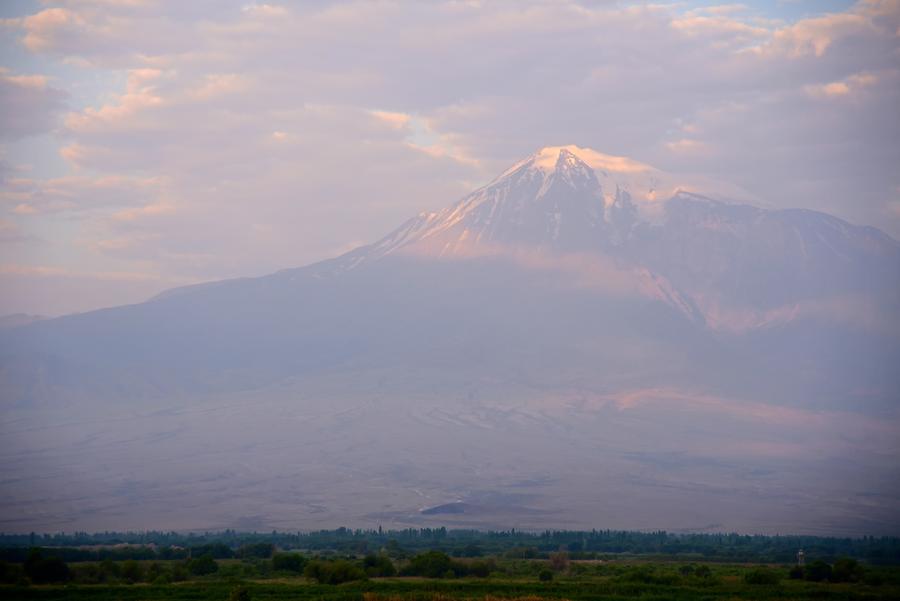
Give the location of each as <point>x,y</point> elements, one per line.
<point>561,198</point>
<point>689,235</point>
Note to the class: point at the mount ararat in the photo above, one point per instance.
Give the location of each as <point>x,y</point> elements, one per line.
<point>583,342</point>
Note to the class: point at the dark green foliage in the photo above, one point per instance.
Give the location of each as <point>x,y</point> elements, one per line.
<point>433,564</point>
<point>545,575</point>
<point>521,553</point>
<point>481,568</point>
<point>393,549</point>
<point>378,565</point>
<point>10,573</point>
<point>613,580</point>
<point>650,574</point>
<point>333,572</point>
<point>847,570</point>
<point>257,550</point>
<point>179,573</point>
<point>796,572</point>
<point>762,575</point>
<point>288,562</point>
<point>203,566</point>
<point>559,562</point>
<point>873,579</point>
<point>42,570</point>
<point>239,593</point>
<point>703,572</point>
<point>818,571</point>
<point>399,544</point>
<point>131,571</point>
<point>214,550</point>
<point>154,571</point>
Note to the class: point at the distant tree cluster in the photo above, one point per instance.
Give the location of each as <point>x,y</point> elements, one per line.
<point>844,569</point>
<point>398,544</point>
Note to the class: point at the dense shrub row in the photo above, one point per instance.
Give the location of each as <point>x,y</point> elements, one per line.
<point>43,567</point>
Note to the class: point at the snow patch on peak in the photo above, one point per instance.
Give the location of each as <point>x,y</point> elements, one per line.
<point>548,157</point>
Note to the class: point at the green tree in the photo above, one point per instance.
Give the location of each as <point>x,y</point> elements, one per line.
<point>378,565</point>
<point>131,571</point>
<point>433,564</point>
<point>847,570</point>
<point>481,568</point>
<point>203,565</point>
<point>333,572</point>
<point>818,571</point>
<point>43,570</point>
<point>762,575</point>
<point>288,562</point>
<point>257,550</point>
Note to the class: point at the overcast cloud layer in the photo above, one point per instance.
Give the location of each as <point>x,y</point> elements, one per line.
<point>148,144</point>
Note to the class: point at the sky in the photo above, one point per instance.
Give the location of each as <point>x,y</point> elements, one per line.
<point>148,144</point>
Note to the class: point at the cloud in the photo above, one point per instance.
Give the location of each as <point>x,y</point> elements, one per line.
<point>78,193</point>
<point>325,123</point>
<point>847,87</point>
<point>28,105</point>
<point>10,231</point>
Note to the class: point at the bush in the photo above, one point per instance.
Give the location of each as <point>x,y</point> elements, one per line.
<point>702,572</point>
<point>43,570</point>
<point>818,571</point>
<point>649,575</point>
<point>847,570</point>
<point>131,571</point>
<point>179,573</point>
<point>239,593</point>
<point>9,573</point>
<point>215,550</point>
<point>559,562</point>
<point>333,572</point>
<point>288,562</point>
<point>481,568</point>
<point>432,564</point>
<point>110,571</point>
<point>203,565</point>
<point>873,579</point>
<point>154,571</point>
<point>545,575</point>
<point>762,576</point>
<point>378,565</point>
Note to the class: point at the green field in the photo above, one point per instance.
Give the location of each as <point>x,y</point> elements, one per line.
<point>508,579</point>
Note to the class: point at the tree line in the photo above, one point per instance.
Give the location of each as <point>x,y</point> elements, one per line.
<point>82,546</point>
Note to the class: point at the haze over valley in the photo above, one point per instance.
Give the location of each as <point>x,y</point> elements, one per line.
<point>572,344</point>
